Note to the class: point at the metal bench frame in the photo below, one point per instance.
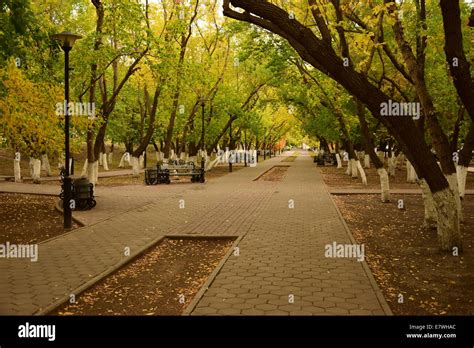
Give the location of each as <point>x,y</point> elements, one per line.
<point>162,173</point>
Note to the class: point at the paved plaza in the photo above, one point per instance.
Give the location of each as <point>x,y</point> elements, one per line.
<point>281,268</point>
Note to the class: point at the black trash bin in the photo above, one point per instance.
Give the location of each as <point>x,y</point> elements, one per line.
<point>83,194</point>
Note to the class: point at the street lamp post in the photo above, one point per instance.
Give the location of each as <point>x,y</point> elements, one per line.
<point>67,40</point>
<point>256,144</point>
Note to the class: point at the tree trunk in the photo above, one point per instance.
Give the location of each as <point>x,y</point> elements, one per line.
<point>35,165</point>
<point>93,172</point>
<point>84,169</point>
<point>391,165</point>
<point>111,153</point>
<point>453,184</point>
<point>449,233</point>
<point>411,174</point>
<point>362,172</point>
<point>159,156</point>
<point>339,162</point>
<point>465,156</point>
<point>45,164</point>
<point>105,165</point>
<point>349,167</point>
<point>455,56</point>
<point>135,167</point>
<point>353,168</point>
<point>125,158</point>
<point>384,184</point>
<point>430,219</point>
<point>369,149</point>
<point>16,167</point>
<point>461,173</point>
<point>367,161</point>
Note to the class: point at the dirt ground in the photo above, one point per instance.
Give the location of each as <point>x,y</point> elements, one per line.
<point>404,256</point>
<point>163,281</point>
<point>28,219</point>
<point>336,178</point>
<point>275,173</point>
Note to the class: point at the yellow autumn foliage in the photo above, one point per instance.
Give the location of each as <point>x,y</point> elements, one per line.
<point>27,114</point>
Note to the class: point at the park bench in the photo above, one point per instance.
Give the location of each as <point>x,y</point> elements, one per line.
<point>322,159</point>
<point>163,171</point>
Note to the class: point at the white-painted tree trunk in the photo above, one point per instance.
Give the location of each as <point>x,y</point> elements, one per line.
<point>30,167</point>
<point>411,174</point>
<point>141,161</point>
<point>349,168</point>
<point>339,162</point>
<point>125,158</point>
<point>366,161</point>
<point>396,160</point>
<point>384,184</point>
<point>160,156</point>
<point>17,168</point>
<point>354,168</point>
<point>96,171</point>
<point>104,162</point>
<point>362,172</point>
<point>461,173</point>
<point>93,172</point>
<point>35,170</point>
<point>135,167</point>
<point>45,165</point>
<point>391,166</point>
<point>449,234</point>
<point>84,169</point>
<point>212,162</point>
<point>431,218</point>
<point>111,157</point>
<point>453,185</point>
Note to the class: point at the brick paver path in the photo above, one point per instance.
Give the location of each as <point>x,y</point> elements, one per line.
<point>281,267</point>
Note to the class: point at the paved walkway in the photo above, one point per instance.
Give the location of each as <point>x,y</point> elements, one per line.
<point>281,268</point>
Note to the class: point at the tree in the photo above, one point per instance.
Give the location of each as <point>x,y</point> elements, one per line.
<point>29,122</point>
